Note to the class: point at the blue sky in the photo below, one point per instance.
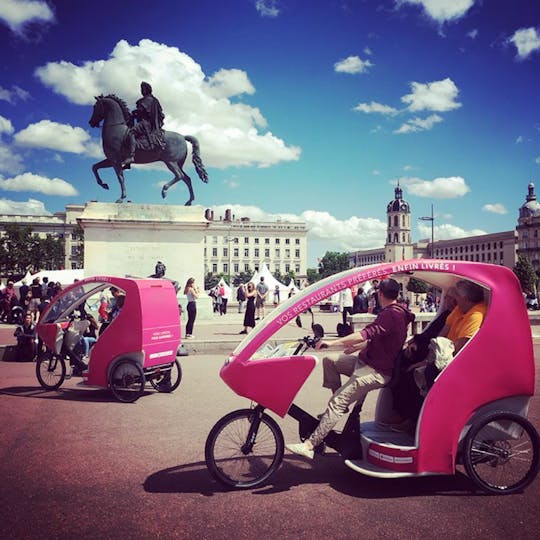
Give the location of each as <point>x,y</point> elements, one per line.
<point>304,109</point>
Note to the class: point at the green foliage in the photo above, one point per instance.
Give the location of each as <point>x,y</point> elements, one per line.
<point>526,274</point>
<point>332,263</point>
<point>21,250</point>
<point>242,277</point>
<point>313,275</point>
<point>417,286</point>
<point>284,278</point>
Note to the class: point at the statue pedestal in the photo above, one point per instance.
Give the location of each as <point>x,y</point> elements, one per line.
<point>128,239</point>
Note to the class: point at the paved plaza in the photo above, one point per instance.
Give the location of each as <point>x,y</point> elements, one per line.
<point>77,464</point>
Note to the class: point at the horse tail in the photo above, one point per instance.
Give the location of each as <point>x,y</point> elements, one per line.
<point>196,158</point>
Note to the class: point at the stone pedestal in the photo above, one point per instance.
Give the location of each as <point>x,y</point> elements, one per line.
<point>128,239</point>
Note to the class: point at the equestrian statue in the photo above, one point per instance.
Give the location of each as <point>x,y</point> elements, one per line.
<point>126,142</point>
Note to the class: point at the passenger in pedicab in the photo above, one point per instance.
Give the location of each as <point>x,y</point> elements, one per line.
<point>463,314</point>
<point>379,344</point>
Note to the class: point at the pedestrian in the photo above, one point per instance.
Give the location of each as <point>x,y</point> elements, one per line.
<point>225,293</point>
<point>26,339</point>
<point>249,316</point>
<point>192,293</point>
<point>346,304</point>
<point>360,302</point>
<point>241,296</point>
<point>276,295</point>
<point>260,299</point>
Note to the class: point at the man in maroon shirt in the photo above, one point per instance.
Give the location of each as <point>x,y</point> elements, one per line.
<point>379,344</point>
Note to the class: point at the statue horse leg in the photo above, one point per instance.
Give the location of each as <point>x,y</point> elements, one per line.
<point>101,165</point>
<point>120,175</point>
<point>179,174</point>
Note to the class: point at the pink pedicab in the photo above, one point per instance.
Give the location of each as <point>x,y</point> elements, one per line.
<point>475,414</point>
<point>140,344</point>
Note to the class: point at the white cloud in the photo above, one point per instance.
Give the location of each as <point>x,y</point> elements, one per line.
<point>229,133</point>
<point>419,124</point>
<point>15,94</point>
<point>442,10</point>
<point>230,82</point>
<point>10,161</point>
<point>526,41</point>
<point>267,8</point>
<point>496,208</point>
<point>374,107</point>
<point>55,136</point>
<point>436,96</point>
<point>5,125</point>
<point>352,65</point>
<point>447,231</point>
<point>519,139</point>
<point>32,207</point>
<point>339,235</point>
<point>18,13</point>
<point>450,187</point>
<point>33,182</point>
<point>473,34</point>
<point>537,160</point>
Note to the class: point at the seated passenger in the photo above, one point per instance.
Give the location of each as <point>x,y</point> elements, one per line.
<point>461,324</point>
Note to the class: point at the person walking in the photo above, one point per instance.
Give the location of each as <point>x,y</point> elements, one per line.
<point>249,316</point>
<point>192,293</point>
<point>262,293</point>
<point>241,296</point>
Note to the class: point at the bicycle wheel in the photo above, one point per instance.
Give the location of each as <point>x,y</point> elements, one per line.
<point>168,380</point>
<point>127,381</point>
<point>50,370</point>
<point>501,453</point>
<point>244,449</point>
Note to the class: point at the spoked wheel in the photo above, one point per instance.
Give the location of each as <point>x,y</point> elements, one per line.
<point>169,379</point>
<point>50,370</point>
<point>127,381</point>
<point>501,453</point>
<point>244,448</point>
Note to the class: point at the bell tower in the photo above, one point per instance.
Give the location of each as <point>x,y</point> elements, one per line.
<point>398,244</point>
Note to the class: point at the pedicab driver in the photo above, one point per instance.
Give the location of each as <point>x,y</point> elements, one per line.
<point>379,344</point>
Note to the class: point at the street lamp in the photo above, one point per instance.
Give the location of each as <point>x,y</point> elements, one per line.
<point>432,219</point>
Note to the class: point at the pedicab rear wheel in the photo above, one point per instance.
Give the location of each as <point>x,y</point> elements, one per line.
<point>127,381</point>
<point>501,453</point>
<point>244,449</point>
<point>168,381</point>
<point>50,370</point>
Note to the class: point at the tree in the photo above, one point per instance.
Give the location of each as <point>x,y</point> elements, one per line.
<point>313,275</point>
<point>417,286</point>
<point>242,277</point>
<point>78,234</point>
<point>524,271</point>
<point>332,263</point>
<point>18,244</point>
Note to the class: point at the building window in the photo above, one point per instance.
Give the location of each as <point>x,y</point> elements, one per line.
<point>246,252</point>
<point>277,252</point>
<point>288,253</point>
<point>235,239</point>
<point>235,252</point>
<point>297,241</point>
<point>287,268</point>
<point>214,239</point>
<point>236,268</point>
<point>277,240</point>
<point>256,240</point>
<point>287,241</point>
<point>225,267</point>
<point>214,252</point>
<point>297,268</point>
<point>246,267</point>
<point>267,240</point>
<point>267,253</point>
<point>214,268</point>
<point>225,252</point>
<point>246,240</point>
<point>256,252</point>
<point>297,253</point>
<point>396,222</point>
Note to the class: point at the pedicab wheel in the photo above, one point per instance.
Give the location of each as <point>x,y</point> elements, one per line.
<point>127,381</point>
<point>501,453</point>
<point>168,381</point>
<point>50,370</point>
<point>239,454</point>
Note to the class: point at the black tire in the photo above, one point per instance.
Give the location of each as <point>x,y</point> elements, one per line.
<point>50,370</point>
<point>127,381</point>
<point>501,453</point>
<point>168,381</point>
<point>232,461</point>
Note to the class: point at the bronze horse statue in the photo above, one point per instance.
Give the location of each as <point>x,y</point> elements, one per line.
<point>116,121</point>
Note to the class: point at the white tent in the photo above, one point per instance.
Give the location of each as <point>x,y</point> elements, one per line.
<point>228,290</point>
<point>270,281</point>
<point>65,277</point>
<point>292,286</point>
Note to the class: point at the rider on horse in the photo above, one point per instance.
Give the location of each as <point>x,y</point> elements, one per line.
<point>149,127</point>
